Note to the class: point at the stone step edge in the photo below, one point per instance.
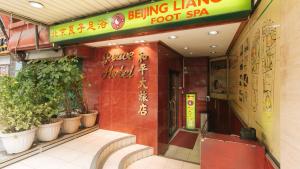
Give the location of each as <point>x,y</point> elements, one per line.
<point>46,146</point>
<point>108,149</point>
<point>129,159</point>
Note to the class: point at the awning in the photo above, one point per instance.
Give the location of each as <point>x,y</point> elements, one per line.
<point>22,37</point>
<point>56,11</point>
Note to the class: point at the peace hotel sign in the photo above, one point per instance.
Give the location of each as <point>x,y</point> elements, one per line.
<point>113,71</point>
<point>121,71</point>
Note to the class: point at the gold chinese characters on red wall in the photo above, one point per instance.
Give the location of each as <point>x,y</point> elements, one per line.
<point>114,68</point>
<point>143,87</point>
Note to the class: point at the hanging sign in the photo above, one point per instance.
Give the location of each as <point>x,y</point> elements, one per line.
<point>160,14</point>
<point>190,111</point>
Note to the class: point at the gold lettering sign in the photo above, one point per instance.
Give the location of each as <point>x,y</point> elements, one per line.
<point>114,72</point>
<point>117,71</point>
<point>143,94</point>
<point>109,58</point>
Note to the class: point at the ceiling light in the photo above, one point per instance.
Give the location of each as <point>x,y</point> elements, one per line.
<point>172,37</point>
<point>213,32</point>
<point>140,41</point>
<point>213,46</point>
<point>36,4</point>
<point>213,52</point>
<point>112,44</point>
<point>186,48</point>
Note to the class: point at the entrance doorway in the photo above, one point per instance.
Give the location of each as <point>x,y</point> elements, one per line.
<point>178,61</point>
<point>173,102</point>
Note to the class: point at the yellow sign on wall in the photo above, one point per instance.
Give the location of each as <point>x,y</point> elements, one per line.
<point>190,111</point>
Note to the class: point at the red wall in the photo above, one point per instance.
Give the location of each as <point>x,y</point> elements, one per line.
<point>22,37</point>
<point>196,81</point>
<point>168,60</point>
<point>6,21</point>
<point>117,99</point>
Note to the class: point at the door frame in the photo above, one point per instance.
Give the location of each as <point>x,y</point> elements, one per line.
<point>177,73</point>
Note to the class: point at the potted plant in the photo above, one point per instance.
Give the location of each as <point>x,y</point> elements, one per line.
<point>71,79</point>
<point>89,117</point>
<point>46,91</point>
<point>18,115</point>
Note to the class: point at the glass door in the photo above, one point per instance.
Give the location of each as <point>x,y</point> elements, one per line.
<point>173,102</point>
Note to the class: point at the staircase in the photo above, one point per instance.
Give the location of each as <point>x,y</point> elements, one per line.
<point>120,154</point>
<point>122,158</point>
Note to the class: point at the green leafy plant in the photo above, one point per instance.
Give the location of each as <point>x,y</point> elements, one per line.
<point>57,83</point>
<point>41,90</point>
<point>44,87</point>
<point>71,84</point>
<point>17,112</point>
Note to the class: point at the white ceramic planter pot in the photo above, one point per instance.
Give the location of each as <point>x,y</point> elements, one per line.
<point>89,119</point>
<point>71,125</point>
<point>18,142</point>
<point>49,132</point>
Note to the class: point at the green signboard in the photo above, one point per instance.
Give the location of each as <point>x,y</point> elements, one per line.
<point>160,14</point>
<point>190,111</point>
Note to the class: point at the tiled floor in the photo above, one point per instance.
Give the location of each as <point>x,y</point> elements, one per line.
<point>180,153</point>
<point>159,162</point>
<point>76,154</point>
<point>38,146</point>
<point>80,154</point>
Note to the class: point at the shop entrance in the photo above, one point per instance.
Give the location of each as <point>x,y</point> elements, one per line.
<point>150,103</point>
<point>173,102</point>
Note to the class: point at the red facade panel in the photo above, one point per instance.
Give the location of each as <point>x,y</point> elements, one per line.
<point>229,152</point>
<point>22,37</point>
<point>117,98</point>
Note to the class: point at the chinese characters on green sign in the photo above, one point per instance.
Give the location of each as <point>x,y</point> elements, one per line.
<point>165,13</point>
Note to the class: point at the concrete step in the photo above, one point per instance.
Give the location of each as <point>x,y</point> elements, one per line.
<point>110,148</point>
<point>160,162</point>
<point>122,158</point>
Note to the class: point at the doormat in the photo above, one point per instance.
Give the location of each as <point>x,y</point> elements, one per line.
<point>185,139</point>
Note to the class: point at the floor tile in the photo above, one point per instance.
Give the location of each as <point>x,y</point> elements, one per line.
<point>180,153</point>
<point>173,164</point>
<point>76,154</point>
<point>190,166</point>
<point>63,153</point>
<point>18,166</point>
